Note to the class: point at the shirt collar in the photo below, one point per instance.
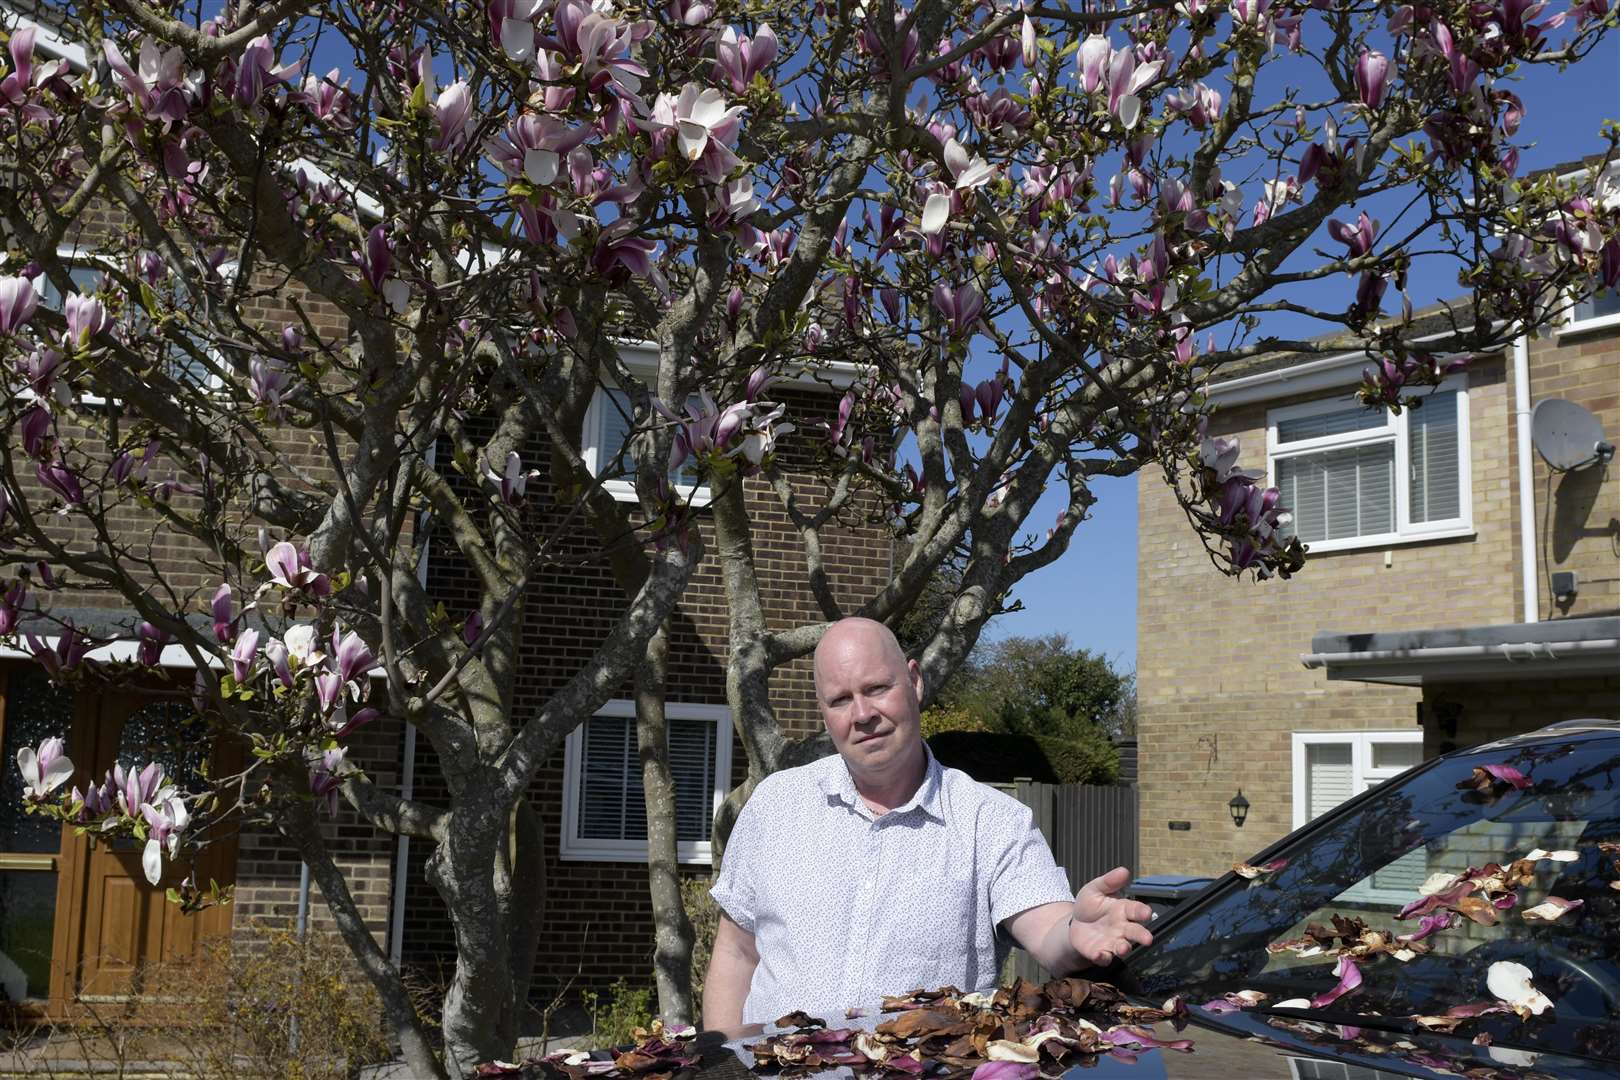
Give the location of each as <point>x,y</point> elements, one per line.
<point>837,783</point>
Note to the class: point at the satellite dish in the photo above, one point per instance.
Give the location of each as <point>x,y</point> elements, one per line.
<point>1568,436</point>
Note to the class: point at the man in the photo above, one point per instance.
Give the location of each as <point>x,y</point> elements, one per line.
<point>877,871</point>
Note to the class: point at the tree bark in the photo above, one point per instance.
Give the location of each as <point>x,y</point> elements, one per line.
<point>672,930</point>
<point>477,1016</point>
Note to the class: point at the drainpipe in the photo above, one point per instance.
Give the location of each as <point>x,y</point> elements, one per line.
<point>1527,478</point>
<point>298,972</point>
<point>402,853</point>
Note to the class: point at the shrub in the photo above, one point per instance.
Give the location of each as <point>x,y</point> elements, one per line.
<point>705,916</point>
<point>938,718</point>
<point>614,1022</point>
<point>280,1009</point>
<point>998,757</point>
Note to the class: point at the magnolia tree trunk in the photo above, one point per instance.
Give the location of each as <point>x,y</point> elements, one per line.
<point>672,929</point>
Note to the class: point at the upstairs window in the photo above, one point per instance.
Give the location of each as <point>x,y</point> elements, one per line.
<point>607,437</point>
<point>1602,308</point>
<point>1359,477</point>
<point>86,273</point>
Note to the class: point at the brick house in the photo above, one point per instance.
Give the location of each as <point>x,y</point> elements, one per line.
<point>1425,617</point>
<point>76,924</point>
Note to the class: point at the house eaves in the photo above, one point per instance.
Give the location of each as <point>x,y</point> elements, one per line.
<point>1509,652</point>
<point>1287,374</point>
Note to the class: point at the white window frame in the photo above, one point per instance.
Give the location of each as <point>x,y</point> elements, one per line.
<point>1576,325</point>
<point>1362,776</point>
<point>74,257</point>
<point>1396,429</point>
<point>575,848</point>
<point>622,489</point>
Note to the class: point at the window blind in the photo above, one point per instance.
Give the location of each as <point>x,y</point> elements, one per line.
<point>1603,302</point>
<point>1337,494</point>
<point>1330,776</point>
<point>1330,423</point>
<point>612,802</point>
<point>615,433</point>
<point>1406,873</point>
<point>1432,459</point>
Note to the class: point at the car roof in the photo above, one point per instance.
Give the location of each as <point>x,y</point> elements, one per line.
<point>1593,727</point>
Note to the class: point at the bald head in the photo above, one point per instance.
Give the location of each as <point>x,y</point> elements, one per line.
<point>867,637</point>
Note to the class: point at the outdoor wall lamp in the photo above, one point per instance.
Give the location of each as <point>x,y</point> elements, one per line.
<point>1239,807</point>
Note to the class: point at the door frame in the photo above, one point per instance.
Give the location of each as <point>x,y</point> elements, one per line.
<point>92,728</point>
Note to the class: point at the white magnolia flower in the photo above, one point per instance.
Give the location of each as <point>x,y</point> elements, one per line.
<point>301,641</point>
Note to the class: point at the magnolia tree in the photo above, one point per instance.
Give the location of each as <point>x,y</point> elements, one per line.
<point>1035,233</point>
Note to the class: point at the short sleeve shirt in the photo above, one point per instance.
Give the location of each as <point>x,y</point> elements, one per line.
<point>846,907</point>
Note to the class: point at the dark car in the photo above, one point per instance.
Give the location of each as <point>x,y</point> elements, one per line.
<point>1543,808</point>
<point>1482,873</point>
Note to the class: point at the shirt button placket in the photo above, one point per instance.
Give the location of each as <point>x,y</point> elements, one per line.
<point>860,941</point>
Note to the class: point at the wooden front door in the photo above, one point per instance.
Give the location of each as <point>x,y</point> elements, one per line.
<point>117,924</point>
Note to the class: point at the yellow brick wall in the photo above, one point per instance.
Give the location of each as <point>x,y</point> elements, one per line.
<point>1220,683</point>
<point>1578,527</point>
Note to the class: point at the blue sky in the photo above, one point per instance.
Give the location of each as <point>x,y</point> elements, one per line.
<point>1090,593</point>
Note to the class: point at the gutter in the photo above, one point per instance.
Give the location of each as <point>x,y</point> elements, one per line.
<point>1313,374</point>
<point>1509,652</point>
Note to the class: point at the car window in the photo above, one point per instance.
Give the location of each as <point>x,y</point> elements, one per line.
<point>1370,867</point>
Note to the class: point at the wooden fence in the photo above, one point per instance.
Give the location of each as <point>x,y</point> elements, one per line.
<point>1091,831</point>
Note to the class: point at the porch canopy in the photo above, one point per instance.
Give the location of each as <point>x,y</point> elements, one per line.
<point>1540,650</point>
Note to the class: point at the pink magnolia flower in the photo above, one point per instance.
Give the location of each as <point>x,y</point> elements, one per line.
<point>290,568</point>
<point>376,264</point>
<point>62,481</point>
<point>35,427</point>
<point>156,85</point>
<point>268,381</point>
<point>66,657</point>
<point>533,147</point>
<point>243,654</point>
<point>44,770</point>
<point>620,254</point>
<point>705,127</point>
<point>165,823</point>
<point>256,71</point>
<point>327,99</point>
<point>512,481</point>
<point>352,655</point>
<point>12,604</point>
<point>86,317</point>
<point>961,307</point>
<point>600,44</point>
<point>152,639</point>
<point>329,689</point>
<point>18,302</point>
<point>275,654</point>
<point>738,59</point>
<point>1372,78</point>
<point>1358,238</point>
<point>326,777</point>
<point>224,619</point>
<point>968,172</point>
<point>452,112</point>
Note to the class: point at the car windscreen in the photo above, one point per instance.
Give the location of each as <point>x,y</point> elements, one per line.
<point>1434,887</point>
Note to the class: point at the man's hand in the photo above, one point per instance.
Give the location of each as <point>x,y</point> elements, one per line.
<point>1105,926</point>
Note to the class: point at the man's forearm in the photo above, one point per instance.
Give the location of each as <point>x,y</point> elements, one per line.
<point>725,988</point>
<point>1055,953</point>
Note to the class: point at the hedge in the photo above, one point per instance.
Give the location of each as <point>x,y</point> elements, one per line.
<point>996,757</point>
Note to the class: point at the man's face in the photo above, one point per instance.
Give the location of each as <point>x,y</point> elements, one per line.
<point>869,701</point>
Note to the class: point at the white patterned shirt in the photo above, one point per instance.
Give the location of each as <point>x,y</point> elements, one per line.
<point>846,907</point>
